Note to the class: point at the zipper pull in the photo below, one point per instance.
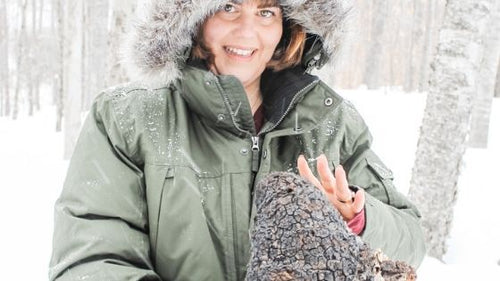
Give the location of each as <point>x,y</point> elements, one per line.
<point>255,153</point>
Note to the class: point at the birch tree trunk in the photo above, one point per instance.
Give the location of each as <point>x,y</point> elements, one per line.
<point>434,19</point>
<point>419,56</point>
<point>86,50</point>
<point>39,27</point>
<point>73,42</point>
<point>350,68</point>
<point>497,87</point>
<point>481,111</point>
<point>59,73</point>
<point>122,10</point>
<point>21,57</point>
<point>4,61</point>
<point>374,69</point>
<point>98,49</point>
<point>445,125</point>
<point>399,44</point>
<point>40,17</point>
<point>31,71</point>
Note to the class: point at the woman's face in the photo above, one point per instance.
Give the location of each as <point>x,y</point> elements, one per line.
<point>242,38</point>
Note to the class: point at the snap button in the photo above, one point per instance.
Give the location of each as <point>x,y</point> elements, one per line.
<point>328,101</point>
<point>317,57</point>
<point>208,83</point>
<point>221,117</point>
<point>244,151</point>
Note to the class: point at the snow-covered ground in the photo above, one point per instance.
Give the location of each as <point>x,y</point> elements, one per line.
<point>32,172</point>
<point>474,244</point>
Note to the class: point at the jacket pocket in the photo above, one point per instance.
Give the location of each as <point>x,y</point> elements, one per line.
<point>186,217</point>
<point>215,194</point>
<point>384,176</point>
<point>157,178</point>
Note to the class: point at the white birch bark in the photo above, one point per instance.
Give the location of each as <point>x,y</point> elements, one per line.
<point>400,22</point>
<point>374,72</point>
<point>351,64</point>
<point>30,72</point>
<point>434,17</point>
<point>445,125</point>
<point>39,71</point>
<point>40,17</point>
<point>417,43</point>
<point>497,84</point>
<point>59,73</point>
<point>73,41</point>
<point>21,57</point>
<point>4,61</point>
<point>486,83</point>
<point>121,11</point>
<point>86,51</point>
<point>98,49</point>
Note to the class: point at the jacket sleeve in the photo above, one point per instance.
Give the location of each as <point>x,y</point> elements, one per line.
<point>100,227</point>
<point>392,221</point>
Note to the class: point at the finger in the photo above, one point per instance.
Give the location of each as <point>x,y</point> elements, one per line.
<point>305,171</point>
<point>343,191</point>
<point>326,176</point>
<point>359,201</point>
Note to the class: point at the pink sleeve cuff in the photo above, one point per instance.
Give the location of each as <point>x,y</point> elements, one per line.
<point>357,224</point>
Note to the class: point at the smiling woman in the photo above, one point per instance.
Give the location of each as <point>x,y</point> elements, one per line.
<point>161,183</point>
<point>246,38</point>
<point>241,40</point>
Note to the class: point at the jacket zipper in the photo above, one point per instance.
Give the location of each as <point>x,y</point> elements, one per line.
<point>256,138</point>
<point>255,153</point>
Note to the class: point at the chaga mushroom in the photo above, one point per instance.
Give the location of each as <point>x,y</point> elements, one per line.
<point>299,235</point>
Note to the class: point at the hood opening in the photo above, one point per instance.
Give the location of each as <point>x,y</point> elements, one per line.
<point>160,43</point>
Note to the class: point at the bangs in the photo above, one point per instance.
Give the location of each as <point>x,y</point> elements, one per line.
<point>261,3</point>
<point>267,3</point>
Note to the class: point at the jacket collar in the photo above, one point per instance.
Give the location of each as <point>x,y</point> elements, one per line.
<point>221,100</point>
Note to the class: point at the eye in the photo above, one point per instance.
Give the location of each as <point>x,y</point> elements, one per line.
<point>267,13</point>
<point>228,8</point>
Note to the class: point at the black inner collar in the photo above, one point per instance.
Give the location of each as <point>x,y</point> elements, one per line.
<point>279,88</point>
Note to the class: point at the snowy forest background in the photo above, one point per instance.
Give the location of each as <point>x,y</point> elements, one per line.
<point>424,74</point>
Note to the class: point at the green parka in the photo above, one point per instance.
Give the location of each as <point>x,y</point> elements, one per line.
<point>160,184</point>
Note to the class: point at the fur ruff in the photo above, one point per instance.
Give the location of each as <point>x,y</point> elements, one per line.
<point>161,39</point>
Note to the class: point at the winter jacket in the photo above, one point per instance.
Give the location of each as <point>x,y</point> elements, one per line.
<point>161,181</point>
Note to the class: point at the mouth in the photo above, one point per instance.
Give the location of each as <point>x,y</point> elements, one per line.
<point>240,52</point>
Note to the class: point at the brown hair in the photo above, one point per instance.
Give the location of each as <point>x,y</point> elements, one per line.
<point>288,53</point>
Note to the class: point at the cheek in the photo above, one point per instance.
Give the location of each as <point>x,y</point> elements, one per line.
<point>211,30</point>
<point>274,37</point>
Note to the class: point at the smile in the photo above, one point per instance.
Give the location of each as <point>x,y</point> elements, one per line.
<point>239,52</point>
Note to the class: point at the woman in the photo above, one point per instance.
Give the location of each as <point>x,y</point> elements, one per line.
<point>160,184</point>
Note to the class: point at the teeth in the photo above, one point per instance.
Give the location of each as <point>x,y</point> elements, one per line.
<point>239,52</point>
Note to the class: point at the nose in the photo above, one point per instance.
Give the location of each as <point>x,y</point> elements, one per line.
<point>246,25</point>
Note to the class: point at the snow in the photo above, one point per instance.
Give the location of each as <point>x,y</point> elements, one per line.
<point>474,246</point>
<point>33,173</point>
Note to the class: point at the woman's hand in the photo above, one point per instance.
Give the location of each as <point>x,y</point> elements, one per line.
<point>335,187</point>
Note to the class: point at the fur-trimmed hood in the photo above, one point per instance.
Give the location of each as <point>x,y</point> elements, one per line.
<point>161,39</point>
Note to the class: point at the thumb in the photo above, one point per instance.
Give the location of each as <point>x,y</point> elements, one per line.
<point>359,201</point>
